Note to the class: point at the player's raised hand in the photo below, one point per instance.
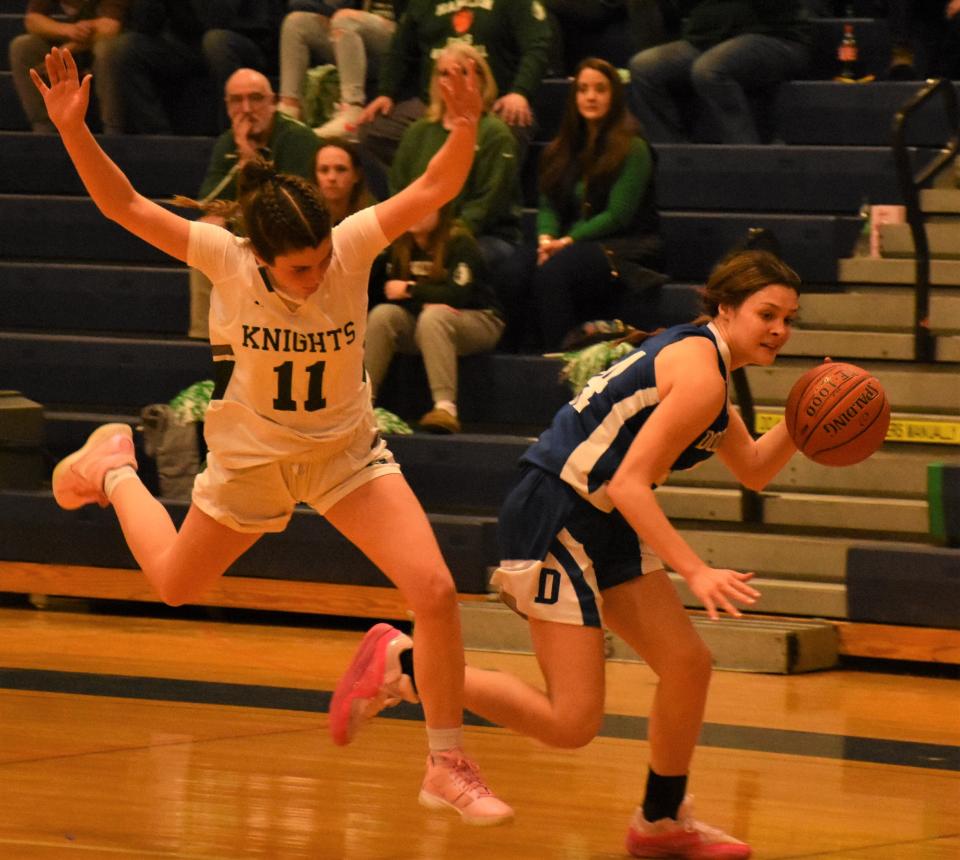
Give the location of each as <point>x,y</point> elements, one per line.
<point>460,90</point>
<point>67,97</point>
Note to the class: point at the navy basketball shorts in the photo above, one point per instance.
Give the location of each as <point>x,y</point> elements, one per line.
<point>559,553</point>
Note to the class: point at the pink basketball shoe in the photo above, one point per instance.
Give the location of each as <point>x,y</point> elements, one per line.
<point>78,477</point>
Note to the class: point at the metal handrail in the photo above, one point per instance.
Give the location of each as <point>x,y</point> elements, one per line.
<point>910,183</point>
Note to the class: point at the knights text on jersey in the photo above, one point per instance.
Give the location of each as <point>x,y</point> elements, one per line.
<point>287,375</point>
<point>590,436</point>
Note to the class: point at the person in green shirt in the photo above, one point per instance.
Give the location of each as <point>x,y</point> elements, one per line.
<point>513,35</point>
<point>490,204</point>
<point>257,129</point>
<point>597,221</point>
<point>440,304</point>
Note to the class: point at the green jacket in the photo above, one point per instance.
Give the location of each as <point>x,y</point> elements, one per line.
<point>292,148</point>
<point>627,208</point>
<point>490,202</point>
<point>513,35</point>
<point>466,286</point>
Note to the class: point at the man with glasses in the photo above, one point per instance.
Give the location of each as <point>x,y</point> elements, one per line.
<point>257,128</point>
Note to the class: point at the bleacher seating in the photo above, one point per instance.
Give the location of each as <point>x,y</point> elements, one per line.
<point>93,320</point>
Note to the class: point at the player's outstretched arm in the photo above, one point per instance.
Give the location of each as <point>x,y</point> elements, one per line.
<point>755,462</point>
<point>67,99</point>
<point>449,168</point>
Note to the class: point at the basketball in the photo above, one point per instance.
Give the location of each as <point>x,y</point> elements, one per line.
<point>837,414</point>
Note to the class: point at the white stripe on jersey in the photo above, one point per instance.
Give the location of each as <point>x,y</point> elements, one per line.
<point>583,458</point>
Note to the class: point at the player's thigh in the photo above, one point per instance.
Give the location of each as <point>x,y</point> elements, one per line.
<point>571,658</point>
<point>648,615</point>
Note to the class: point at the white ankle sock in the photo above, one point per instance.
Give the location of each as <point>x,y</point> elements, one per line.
<point>115,476</point>
<point>441,740</point>
<point>446,406</point>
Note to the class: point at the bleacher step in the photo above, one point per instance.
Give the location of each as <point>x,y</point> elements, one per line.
<point>744,645</point>
<point>878,308</point>
<point>921,388</point>
<point>784,597</point>
<point>817,511</point>
<point>813,510</point>
<point>862,344</point>
<point>889,270</point>
<point>940,200</point>
<point>897,470</point>
<point>943,238</point>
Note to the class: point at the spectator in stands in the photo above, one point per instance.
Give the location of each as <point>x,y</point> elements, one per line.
<point>597,221</point>
<point>926,39</point>
<point>582,536</point>
<point>168,42</point>
<point>726,49</point>
<point>339,174</point>
<point>89,31</point>
<point>257,130</point>
<point>596,29</point>
<point>354,37</point>
<point>439,304</point>
<point>513,35</point>
<point>490,203</point>
<point>291,420</point>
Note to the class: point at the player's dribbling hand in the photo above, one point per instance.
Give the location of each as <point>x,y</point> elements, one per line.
<point>67,97</point>
<point>462,99</point>
<point>719,588</point>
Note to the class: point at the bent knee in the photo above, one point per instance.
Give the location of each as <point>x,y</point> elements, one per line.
<point>433,594</point>
<point>574,727</point>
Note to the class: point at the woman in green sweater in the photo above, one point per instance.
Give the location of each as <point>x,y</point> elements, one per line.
<point>597,221</point>
<point>490,203</point>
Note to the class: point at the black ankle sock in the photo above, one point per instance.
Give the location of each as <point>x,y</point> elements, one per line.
<point>406,663</point>
<point>664,796</point>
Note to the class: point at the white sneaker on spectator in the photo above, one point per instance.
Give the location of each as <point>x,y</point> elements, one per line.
<point>342,124</point>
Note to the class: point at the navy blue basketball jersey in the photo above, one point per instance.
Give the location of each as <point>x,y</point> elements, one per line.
<point>590,435</point>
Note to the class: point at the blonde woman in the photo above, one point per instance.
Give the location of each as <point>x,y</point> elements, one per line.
<point>489,204</point>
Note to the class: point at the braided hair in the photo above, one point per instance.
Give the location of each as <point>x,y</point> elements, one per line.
<point>279,213</point>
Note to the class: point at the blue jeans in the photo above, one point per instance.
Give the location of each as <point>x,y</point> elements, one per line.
<point>719,77</point>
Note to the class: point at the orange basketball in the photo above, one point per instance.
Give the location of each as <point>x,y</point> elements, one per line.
<point>837,414</point>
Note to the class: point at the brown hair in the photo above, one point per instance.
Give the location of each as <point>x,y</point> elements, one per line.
<point>279,213</point>
<point>360,196</point>
<point>402,248</point>
<point>741,274</point>
<point>571,156</point>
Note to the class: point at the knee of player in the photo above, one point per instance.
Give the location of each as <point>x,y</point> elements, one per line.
<point>691,661</point>
<point>175,593</point>
<point>434,593</point>
<point>575,733</point>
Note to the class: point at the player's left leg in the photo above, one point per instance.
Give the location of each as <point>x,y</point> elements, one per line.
<point>648,615</point>
<point>372,516</point>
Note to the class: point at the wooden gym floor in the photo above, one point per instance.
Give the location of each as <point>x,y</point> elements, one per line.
<point>131,736</point>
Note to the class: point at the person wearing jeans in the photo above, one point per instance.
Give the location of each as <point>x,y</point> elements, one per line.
<point>91,37</point>
<point>353,38</point>
<point>722,54</point>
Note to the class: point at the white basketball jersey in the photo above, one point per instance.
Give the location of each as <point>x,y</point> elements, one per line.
<point>287,378</point>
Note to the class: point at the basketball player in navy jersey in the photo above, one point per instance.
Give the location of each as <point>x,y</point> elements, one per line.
<point>291,418</point>
<point>582,537</point>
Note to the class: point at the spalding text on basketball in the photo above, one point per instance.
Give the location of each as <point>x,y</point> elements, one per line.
<point>871,392</point>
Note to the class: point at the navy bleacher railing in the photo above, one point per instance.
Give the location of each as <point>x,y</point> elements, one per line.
<point>910,183</point>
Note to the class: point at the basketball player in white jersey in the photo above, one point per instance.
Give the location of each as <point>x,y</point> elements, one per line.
<point>291,419</point>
